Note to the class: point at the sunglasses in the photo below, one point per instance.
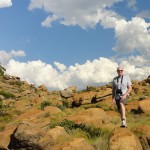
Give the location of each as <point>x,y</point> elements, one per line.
<point>119,70</point>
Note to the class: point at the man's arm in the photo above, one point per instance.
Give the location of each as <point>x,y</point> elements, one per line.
<point>127,93</point>
<point>129,90</point>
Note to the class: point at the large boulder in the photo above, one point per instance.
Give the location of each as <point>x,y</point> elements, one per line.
<point>31,136</point>
<point>71,89</point>
<point>84,95</point>
<point>123,139</point>
<point>148,79</point>
<point>5,136</point>
<point>93,116</point>
<point>26,136</point>
<point>52,110</point>
<point>144,130</point>
<point>53,136</point>
<point>75,144</point>
<point>144,106</point>
<point>66,94</point>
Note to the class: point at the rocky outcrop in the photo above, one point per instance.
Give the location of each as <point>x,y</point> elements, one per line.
<point>144,130</point>
<point>31,136</point>
<point>26,136</point>
<point>75,144</point>
<point>93,116</point>
<point>66,94</point>
<point>144,106</point>
<point>29,112</point>
<point>123,139</point>
<point>72,89</point>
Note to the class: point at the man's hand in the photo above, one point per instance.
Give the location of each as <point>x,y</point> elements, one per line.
<point>123,97</point>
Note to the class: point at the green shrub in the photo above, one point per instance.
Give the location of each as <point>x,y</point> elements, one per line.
<point>2,127</point>
<point>65,103</point>
<point>44,104</point>
<point>2,70</point>
<point>19,83</point>
<point>91,132</point>
<point>7,94</point>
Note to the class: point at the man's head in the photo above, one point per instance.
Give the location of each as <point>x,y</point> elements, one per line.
<point>120,71</point>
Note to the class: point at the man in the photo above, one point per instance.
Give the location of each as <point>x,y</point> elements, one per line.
<point>121,87</point>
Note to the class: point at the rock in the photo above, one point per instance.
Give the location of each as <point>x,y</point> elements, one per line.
<point>56,132</point>
<point>84,95</point>
<point>42,88</point>
<point>31,136</point>
<point>26,136</point>
<point>51,137</point>
<point>144,106</point>
<point>144,129</point>
<point>132,106</point>
<point>145,137</point>
<point>2,97</point>
<point>66,94</point>
<point>52,110</point>
<point>75,144</point>
<point>148,79</point>
<point>123,139</point>
<point>72,89</point>
<point>144,143</point>
<point>93,116</point>
<point>5,136</point>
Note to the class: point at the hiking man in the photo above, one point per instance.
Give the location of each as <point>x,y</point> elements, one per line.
<point>121,87</point>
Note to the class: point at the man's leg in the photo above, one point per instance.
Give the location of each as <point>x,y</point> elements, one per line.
<point>123,111</point>
<point>123,115</point>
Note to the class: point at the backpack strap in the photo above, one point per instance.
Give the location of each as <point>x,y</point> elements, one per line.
<point>121,79</point>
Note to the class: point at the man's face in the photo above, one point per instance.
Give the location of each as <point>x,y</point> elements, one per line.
<point>120,71</point>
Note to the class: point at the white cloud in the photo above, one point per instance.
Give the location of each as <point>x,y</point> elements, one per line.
<point>136,73</point>
<point>6,56</point>
<point>60,66</point>
<point>133,36</point>
<point>97,72</point>
<point>19,53</point>
<point>48,21</point>
<point>132,4</point>
<point>85,13</point>
<point>144,14</point>
<point>5,3</point>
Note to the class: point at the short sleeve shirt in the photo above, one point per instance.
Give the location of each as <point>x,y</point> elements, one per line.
<point>124,85</point>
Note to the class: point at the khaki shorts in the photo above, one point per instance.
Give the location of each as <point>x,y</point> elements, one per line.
<point>119,101</point>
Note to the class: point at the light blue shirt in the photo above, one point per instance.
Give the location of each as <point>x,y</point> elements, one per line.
<point>124,85</point>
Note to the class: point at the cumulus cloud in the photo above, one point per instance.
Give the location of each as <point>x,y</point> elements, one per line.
<point>97,72</point>
<point>6,56</point>
<point>85,13</point>
<point>133,36</point>
<point>144,14</point>
<point>5,3</point>
<point>132,4</point>
<point>60,67</point>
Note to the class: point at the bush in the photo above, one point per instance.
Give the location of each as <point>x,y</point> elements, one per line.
<point>2,70</point>
<point>7,94</point>
<point>65,103</point>
<point>91,132</point>
<point>44,104</point>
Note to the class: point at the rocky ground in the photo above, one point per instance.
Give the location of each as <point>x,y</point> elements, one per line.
<point>33,118</point>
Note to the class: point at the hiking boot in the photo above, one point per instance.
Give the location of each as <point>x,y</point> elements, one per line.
<point>123,123</point>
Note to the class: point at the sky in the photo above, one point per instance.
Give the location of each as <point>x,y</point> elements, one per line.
<point>63,43</point>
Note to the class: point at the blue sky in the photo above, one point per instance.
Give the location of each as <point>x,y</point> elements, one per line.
<point>65,43</point>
